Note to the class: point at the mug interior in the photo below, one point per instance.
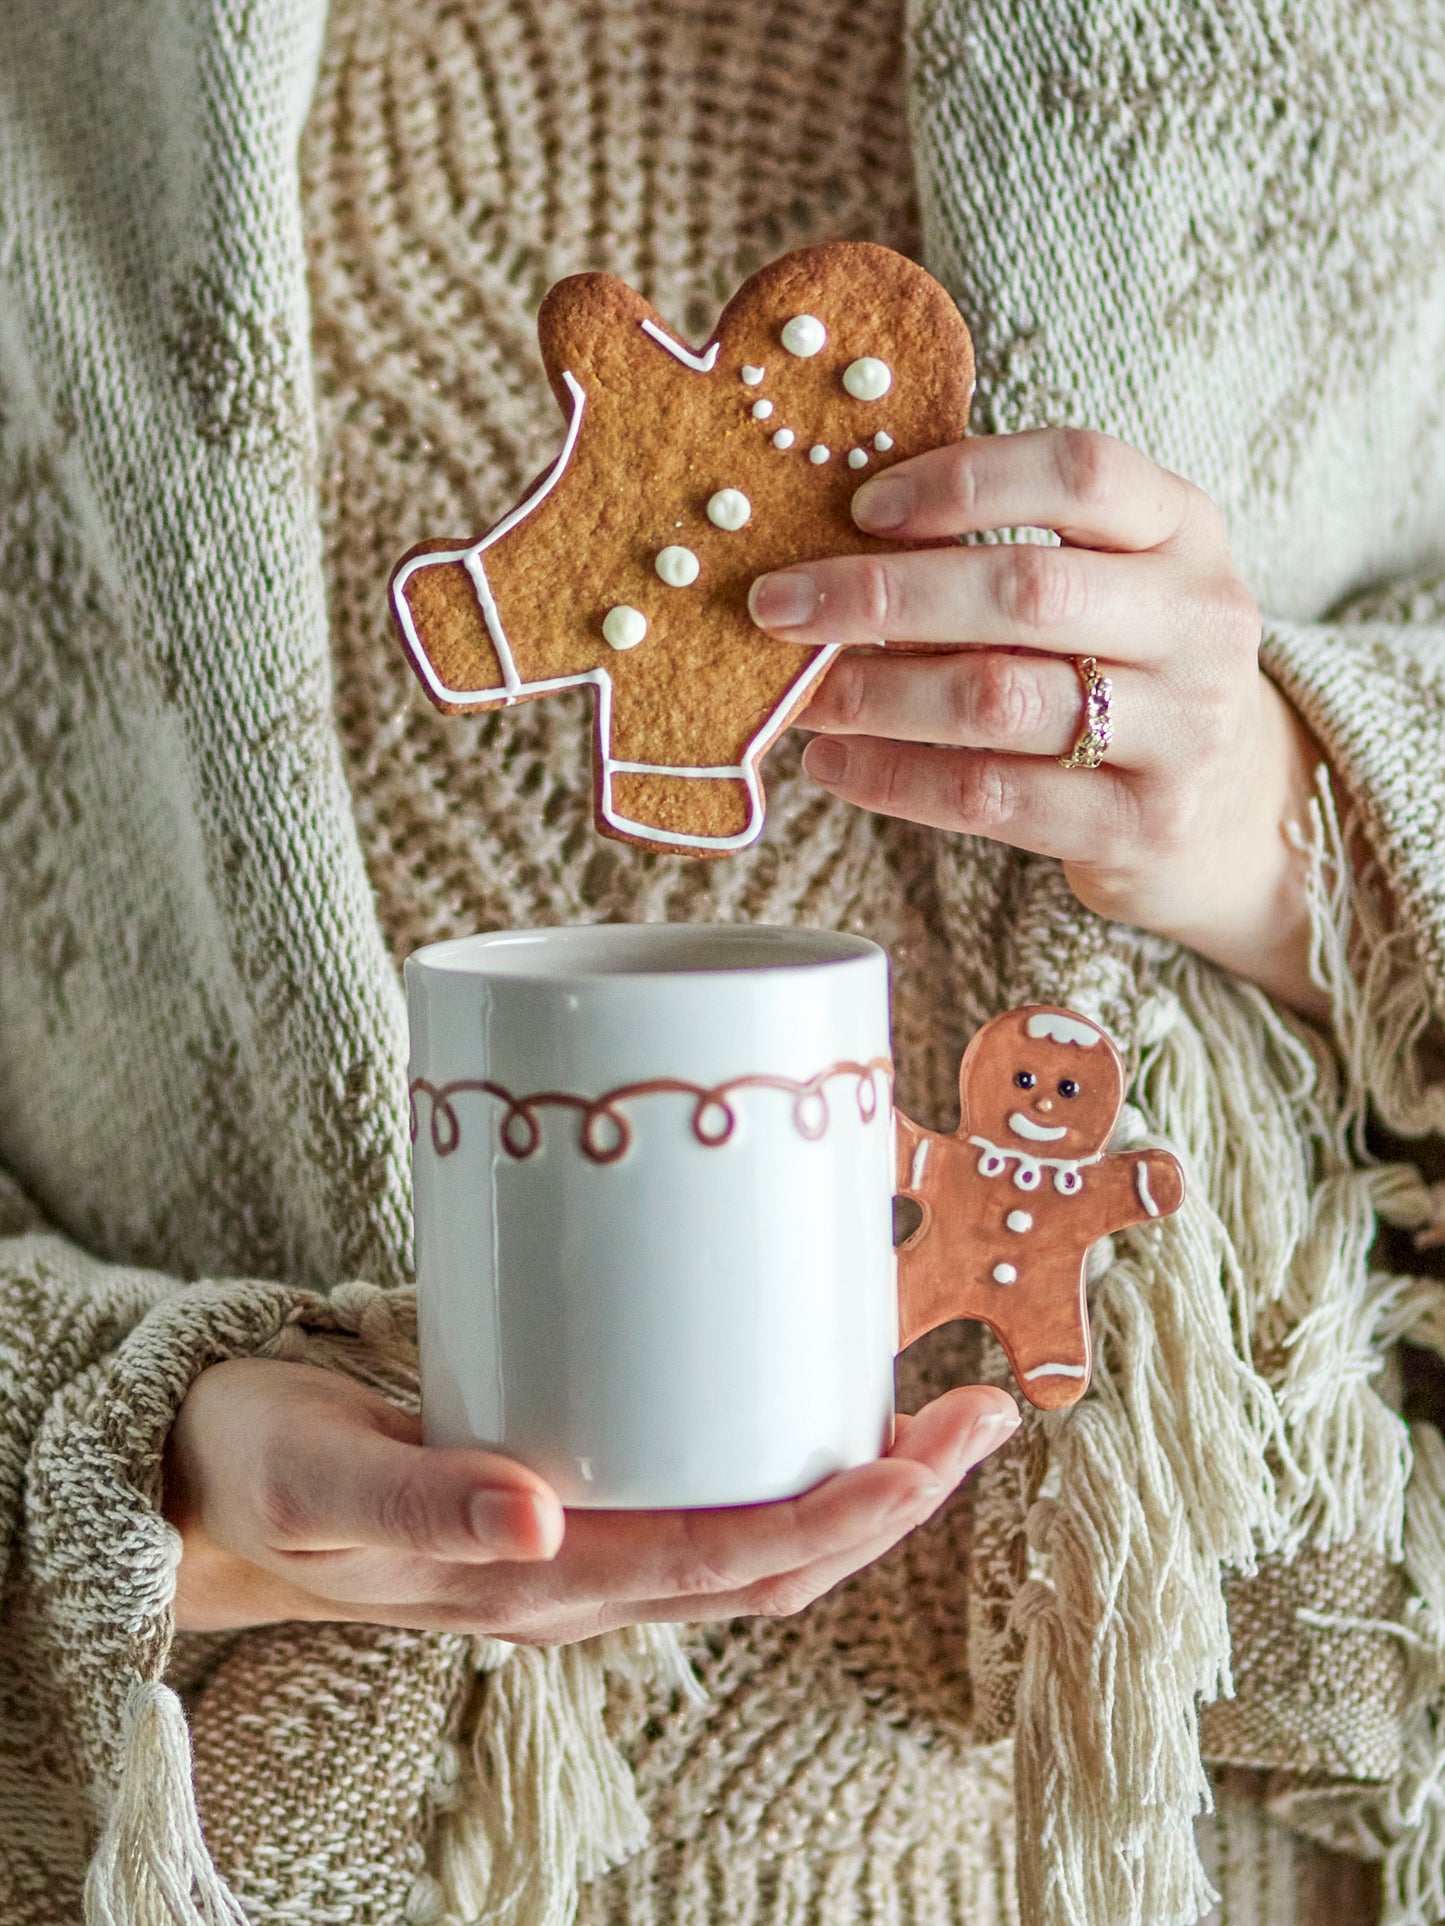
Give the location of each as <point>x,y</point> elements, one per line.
<point>642,949</point>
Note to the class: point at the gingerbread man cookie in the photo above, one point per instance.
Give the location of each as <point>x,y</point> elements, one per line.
<point>683,476</point>
<point>1014,1198</point>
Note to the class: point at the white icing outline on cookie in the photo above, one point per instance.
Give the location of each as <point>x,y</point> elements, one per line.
<point>513,688</point>
<point>703,363</point>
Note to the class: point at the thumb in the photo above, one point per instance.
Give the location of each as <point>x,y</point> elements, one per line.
<point>354,1484</point>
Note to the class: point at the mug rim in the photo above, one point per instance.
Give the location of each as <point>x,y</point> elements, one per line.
<point>575,952</point>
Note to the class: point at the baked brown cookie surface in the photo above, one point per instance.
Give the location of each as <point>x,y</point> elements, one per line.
<point>682,477</point>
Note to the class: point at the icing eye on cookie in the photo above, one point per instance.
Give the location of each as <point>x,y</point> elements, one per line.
<point>1068,1087</point>
<point>1025,1079</point>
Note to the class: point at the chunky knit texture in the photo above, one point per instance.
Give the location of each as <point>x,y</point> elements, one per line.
<point>1165,224</point>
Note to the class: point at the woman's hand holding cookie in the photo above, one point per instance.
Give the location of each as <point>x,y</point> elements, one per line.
<point>1181,829</point>
<point>300,1494</point>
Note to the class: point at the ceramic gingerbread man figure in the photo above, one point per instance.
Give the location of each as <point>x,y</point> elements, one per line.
<point>1014,1198</point>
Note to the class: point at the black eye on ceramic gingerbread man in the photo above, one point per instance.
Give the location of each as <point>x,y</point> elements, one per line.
<point>1013,1199</point>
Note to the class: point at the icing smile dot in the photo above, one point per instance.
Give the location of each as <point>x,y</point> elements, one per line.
<point>868,379</point>
<point>784,438</point>
<point>729,508</point>
<point>857,458</point>
<point>624,627</point>
<point>761,410</point>
<point>818,454</point>
<point>677,566</point>
<point>804,335</point>
<point>882,442</point>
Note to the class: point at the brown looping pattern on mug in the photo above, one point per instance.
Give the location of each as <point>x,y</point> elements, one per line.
<point>605,1131</point>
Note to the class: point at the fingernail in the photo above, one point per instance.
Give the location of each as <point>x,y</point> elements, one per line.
<point>825,759</point>
<point>499,1517</point>
<point>782,601</point>
<point>883,504</point>
<point>988,1432</point>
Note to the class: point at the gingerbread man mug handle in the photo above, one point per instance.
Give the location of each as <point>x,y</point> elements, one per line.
<point>1013,1199</point>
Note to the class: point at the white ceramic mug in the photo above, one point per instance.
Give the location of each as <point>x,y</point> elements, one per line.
<point>654,1170</point>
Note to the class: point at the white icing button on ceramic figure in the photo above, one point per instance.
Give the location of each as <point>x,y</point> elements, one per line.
<point>804,335</point>
<point>1019,1220</point>
<point>729,508</point>
<point>761,410</point>
<point>677,566</point>
<point>818,454</point>
<point>868,379</point>
<point>623,627</point>
<point>857,458</point>
<point>784,438</point>
<point>1005,1274</point>
<point>752,376</point>
<point>882,442</point>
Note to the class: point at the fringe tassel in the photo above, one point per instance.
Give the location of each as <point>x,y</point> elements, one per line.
<point>1380,1003</point>
<point>551,1801</point>
<point>1166,1478</point>
<point>1408,1817</point>
<point>1233,1413</point>
<point>152,1867</point>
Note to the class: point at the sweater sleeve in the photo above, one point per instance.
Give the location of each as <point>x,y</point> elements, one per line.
<point>95,1360</point>
<point>1371,686</point>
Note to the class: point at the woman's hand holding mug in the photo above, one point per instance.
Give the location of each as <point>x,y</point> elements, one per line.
<point>300,1494</point>
<point>656,1284</point>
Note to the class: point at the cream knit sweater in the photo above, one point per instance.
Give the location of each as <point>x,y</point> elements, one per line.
<point>1219,231</point>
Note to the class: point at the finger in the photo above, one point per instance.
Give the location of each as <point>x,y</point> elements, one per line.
<point>952,1436</point>
<point>932,1436</point>
<point>1095,491</point>
<point>610,1557</point>
<point>344,1485</point>
<point>1012,595</point>
<point>1028,705</point>
<point>696,1553</point>
<point>711,1564</point>
<point>1077,815</point>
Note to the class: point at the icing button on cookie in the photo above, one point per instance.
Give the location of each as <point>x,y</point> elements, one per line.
<point>857,458</point>
<point>677,566</point>
<point>868,379</point>
<point>784,438</point>
<point>761,410</point>
<point>804,335</point>
<point>882,442</point>
<point>818,454</point>
<point>624,627</point>
<point>729,508</point>
<point>752,376</point>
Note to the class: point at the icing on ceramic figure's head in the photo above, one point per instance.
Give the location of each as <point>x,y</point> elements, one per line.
<point>1043,1083</point>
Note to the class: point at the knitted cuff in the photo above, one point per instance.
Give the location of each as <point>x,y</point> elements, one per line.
<point>1374,695</point>
<point>111,1353</point>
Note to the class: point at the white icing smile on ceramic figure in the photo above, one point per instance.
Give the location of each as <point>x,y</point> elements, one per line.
<point>1037,1133</point>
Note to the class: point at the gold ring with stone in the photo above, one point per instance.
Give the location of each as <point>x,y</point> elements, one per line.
<point>1096,730</point>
